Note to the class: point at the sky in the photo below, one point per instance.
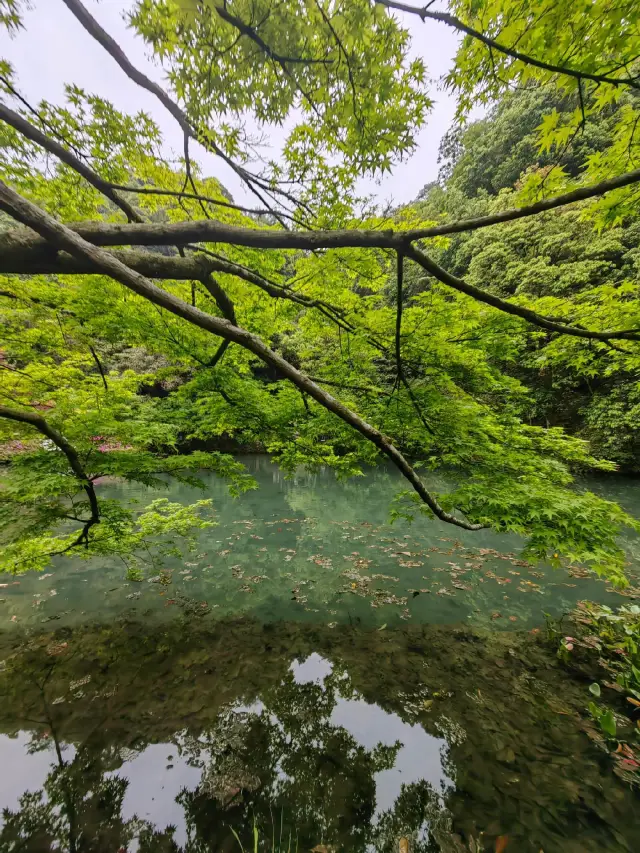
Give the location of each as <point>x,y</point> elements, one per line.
<point>53,49</point>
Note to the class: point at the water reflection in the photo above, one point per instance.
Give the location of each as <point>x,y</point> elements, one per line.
<point>311,549</point>
<point>182,738</point>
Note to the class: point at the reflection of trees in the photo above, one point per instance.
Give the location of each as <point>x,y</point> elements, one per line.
<point>77,810</point>
<point>282,762</point>
<point>289,760</point>
<point>269,749</point>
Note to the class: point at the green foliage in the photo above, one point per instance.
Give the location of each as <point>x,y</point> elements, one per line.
<point>160,528</point>
<point>607,644</point>
<point>478,392</point>
<point>355,116</point>
<point>594,40</point>
<point>557,264</point>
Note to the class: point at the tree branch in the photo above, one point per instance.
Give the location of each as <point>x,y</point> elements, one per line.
<point>459,25</point>
<point>249,31</point>
<point>31,132</point>
<point>159,234</point>
<point>99,366</point>
<point>66,239</point>
<point>580,194</point>
<point>509,307</point>
<point>400,374</point>
<point>70,452</point>
<point>20,244</point>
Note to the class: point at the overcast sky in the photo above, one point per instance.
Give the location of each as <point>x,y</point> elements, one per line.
<point>54,49</point>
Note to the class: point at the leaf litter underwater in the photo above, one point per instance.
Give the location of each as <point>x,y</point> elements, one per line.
<point>312,672</point>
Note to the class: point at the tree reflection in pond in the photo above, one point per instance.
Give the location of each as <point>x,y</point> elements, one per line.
<point>180,738</point>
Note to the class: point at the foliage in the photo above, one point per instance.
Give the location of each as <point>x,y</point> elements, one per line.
<point>556,263</point>
<point>550,32</point>
<point>607,643</point>
<point>133,378</point>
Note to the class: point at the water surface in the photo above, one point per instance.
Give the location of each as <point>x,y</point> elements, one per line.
<point>312,549</point>
<point>310,673</point>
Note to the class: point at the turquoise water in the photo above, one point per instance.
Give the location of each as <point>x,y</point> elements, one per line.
<point>313,549</point>
<point>309,676</point>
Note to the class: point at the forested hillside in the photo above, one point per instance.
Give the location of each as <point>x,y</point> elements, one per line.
<point>591,389</point>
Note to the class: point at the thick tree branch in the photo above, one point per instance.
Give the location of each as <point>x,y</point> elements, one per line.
<point>66,239</point>
<point>19,244</point>
<point>159,234</point>
<point>227,309</point>
<point>70,452</point>
<point>424,13</point>
<point>222,299</point>
<point>18,259</point>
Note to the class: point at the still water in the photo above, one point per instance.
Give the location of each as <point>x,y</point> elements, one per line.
<point>310,677</point>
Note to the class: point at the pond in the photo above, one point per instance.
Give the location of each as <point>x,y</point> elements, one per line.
<point>310,676</point>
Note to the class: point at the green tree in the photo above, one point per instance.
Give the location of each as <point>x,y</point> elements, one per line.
<point>587,387</point>
<point>246,316</point>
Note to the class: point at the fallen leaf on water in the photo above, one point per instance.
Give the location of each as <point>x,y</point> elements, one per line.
<point>496,615</point>
<point>513,618</point>
<point>501,843</point>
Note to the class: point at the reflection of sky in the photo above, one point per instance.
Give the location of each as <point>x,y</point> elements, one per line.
<point>153,788</point>
<point>22,771</point>
<point>420,756</point>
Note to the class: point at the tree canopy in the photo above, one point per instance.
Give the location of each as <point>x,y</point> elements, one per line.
<point>144,314</point>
